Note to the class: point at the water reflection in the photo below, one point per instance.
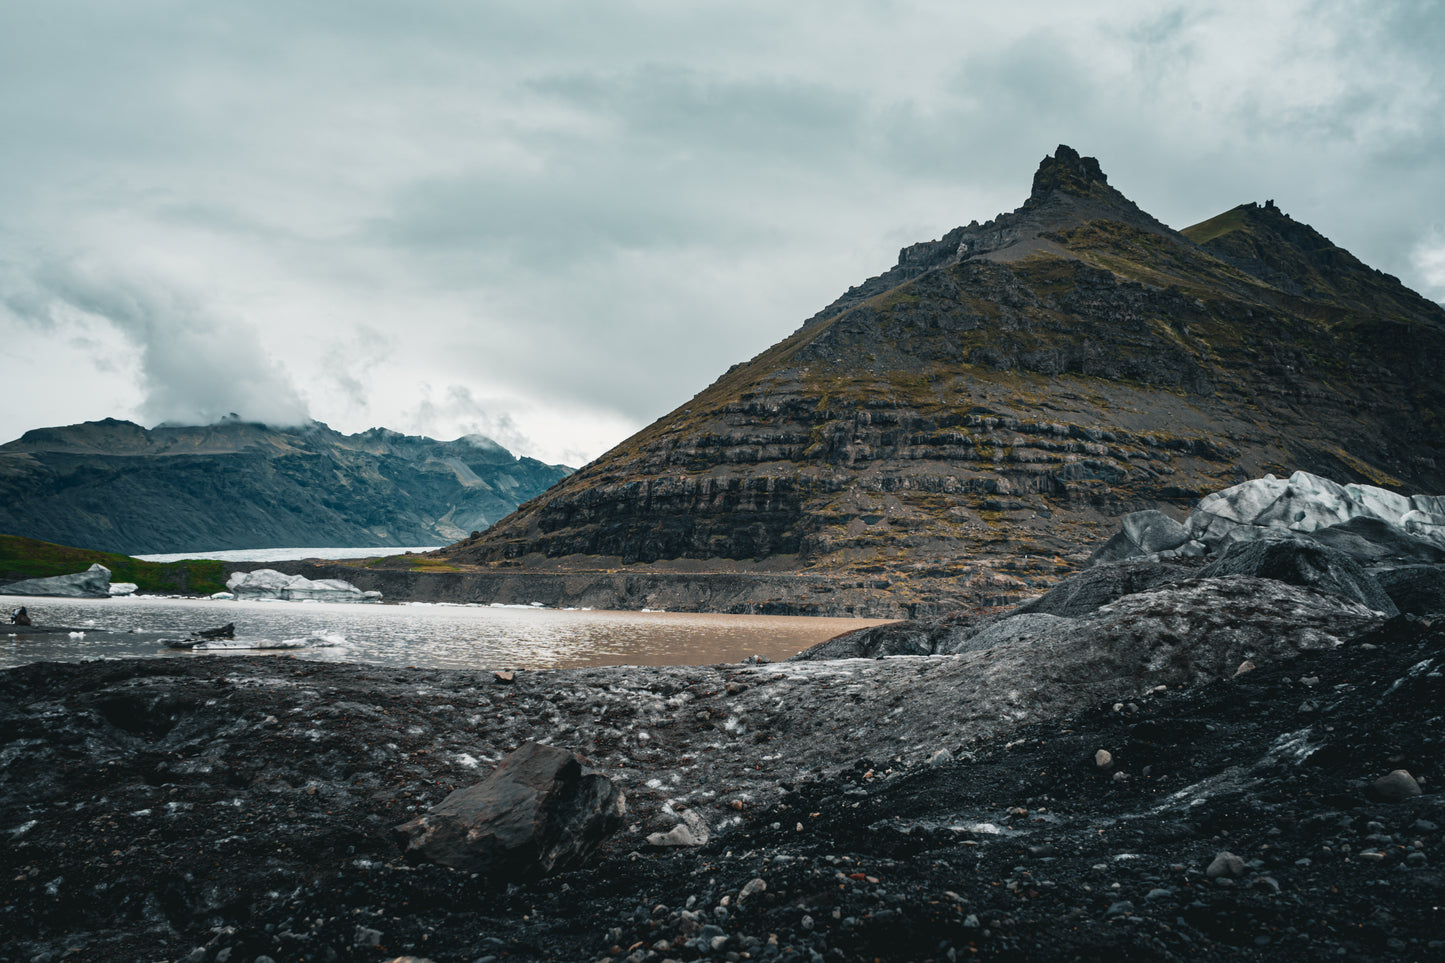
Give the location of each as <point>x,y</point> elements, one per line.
<point>438,636</point>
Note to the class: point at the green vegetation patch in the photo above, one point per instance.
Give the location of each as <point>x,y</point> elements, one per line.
<point>26,558</point>
<point>1217,226</point>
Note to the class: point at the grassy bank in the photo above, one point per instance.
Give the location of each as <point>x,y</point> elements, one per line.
<point>22,558</point>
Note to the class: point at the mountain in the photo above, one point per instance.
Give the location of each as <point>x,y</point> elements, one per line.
<point>115,486</point>
<point>977,416</point>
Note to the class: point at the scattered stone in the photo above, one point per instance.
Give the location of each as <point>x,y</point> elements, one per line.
<point>692,831</point>
<point>752,886</point>
<point>539,812</point>
<point>1225,865</point>
<point>942,757</point>
<point>1246,666</point>
<point>504,676</point>
<point>1103,759</point>
<point>1397,785</point>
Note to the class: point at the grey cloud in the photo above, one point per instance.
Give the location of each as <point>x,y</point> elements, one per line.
<point>458,407</point>
<point>195,368</point>
<point>601,206</point>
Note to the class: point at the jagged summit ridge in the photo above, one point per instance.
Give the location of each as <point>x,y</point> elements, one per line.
<point>1068,191</point>
<point>1065,171</point>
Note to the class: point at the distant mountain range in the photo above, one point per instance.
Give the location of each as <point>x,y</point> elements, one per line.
<point>115,486</point>
<point>981,413</point>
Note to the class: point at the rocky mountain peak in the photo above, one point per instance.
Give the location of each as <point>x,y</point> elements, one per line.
<point>1006,391</point>
<point>1065,172</point>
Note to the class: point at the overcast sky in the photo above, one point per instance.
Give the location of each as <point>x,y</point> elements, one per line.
<point>553,222</point>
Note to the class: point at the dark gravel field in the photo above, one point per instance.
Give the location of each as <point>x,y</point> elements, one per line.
<point>242,809</point>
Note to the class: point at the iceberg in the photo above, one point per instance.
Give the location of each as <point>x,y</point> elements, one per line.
<point>93,583</point>
<point>267,583</point>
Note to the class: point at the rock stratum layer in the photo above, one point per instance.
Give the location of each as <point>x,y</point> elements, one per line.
<point>115,486</point>
<point>1007,392</point>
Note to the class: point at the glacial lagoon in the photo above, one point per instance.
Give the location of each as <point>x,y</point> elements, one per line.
<point>424,635</point>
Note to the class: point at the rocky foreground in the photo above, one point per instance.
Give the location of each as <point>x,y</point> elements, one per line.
<point>907,808</point>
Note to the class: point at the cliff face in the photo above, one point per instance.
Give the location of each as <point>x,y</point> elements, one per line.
<point>1007,390</point>
<point>115,486</point>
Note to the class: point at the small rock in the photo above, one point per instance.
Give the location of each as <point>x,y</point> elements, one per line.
<point>1224,865</point>
<point>504,676</point>
<point>692,831</point>
<point>754,885</point>
<point>1396,786</point>
<point>1103,759</point>
<point>940,758</point>
<point>366,936</point>
<point>1121,777</point>
<point>1245,666</point>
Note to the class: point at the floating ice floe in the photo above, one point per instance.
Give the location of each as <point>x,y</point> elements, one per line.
<point>94,582</point>
<point>267,583</point>
<point>319,640</point>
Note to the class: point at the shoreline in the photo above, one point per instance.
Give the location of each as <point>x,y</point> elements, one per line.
<point>723,593</point>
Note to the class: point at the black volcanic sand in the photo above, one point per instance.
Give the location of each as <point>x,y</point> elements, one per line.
<point>228,809</point>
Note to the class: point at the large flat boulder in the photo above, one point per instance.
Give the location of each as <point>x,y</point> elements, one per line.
<point>93,583</point>
<point>1301,561</point>
<point>541,811</point>
<point>1415,589</point>
<point>1098,585</point>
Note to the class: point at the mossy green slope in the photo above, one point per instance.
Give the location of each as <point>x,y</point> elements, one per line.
<point>27,558</point>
